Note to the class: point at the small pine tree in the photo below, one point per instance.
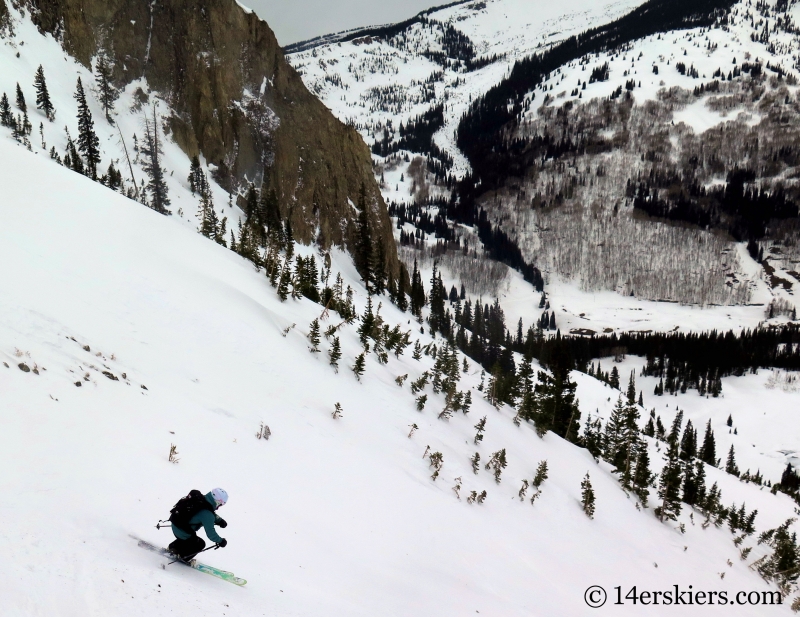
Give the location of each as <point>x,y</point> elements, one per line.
<point>107,93</point>
<point>88,142</point>
<point>358,367</point>
<point>337,411</point>
<point>21,104</point>
<point>6,116</point>
<point>541,475</point>
<point>587,496</point>
<point>313,336</point>
<point>421,400</point>
<point>43,101</point>
<point>335,353</point>
<point>197,179</point>
<point>730,464</point>
<point>497,463</point>
<point>480,427</point>
<point>614,379</point>
<point>475,460</point>
<point>670,485</point>
<point>151,150</point>
<point>708,451</point>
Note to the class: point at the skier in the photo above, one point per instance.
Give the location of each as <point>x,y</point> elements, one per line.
<point>189,514</point>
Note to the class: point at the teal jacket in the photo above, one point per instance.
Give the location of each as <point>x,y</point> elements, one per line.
<point>205,519</point>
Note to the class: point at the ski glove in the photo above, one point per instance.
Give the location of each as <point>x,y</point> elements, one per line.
<point>223,543</point>
<point>222,522</point>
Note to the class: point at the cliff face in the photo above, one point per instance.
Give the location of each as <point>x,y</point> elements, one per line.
<point>235,100</point>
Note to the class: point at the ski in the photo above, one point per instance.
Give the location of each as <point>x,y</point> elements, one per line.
<point>201,567</point>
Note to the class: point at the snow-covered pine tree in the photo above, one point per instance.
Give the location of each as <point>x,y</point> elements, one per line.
<point>475,460</point>
<point>421,400</point>
<point>688,443</point>
<point>497,463</point>
<point>21,104</point>
<point>6,116</point>
<point>197,178</point>
<point>335,353</point>
<point>669,488</point>
<point>480,427</point>
<point>541,475</point>
<point>614,379</point>
<point>708,451</point>
<point>151,150</point>
<point>43,100</point>
<point>587,496</point>
<point>358,367</point>
<point>642,476</point>
<point>106,91</point>
<point>88,142</point>
<point>730,464</point>
<point>337,411</point>
<point>313,336</point>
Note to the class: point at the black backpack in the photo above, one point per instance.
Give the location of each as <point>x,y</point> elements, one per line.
<point>186,508</point>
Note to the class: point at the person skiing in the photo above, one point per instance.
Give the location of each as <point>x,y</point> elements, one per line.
<point>189,514</point>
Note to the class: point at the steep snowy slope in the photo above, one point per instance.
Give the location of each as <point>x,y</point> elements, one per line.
<point>175,340</point>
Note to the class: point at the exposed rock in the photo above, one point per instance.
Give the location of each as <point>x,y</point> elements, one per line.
<point>111,376</point>
<point>236,100</point>
<point>24,367</point>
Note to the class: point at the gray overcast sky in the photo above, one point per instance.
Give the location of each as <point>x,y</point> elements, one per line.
<point>298,20</point>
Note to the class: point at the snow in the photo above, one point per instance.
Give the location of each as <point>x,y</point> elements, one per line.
<point>327,517</point>
<point>512,29</point>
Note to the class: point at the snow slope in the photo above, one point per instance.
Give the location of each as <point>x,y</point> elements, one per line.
<point>328,517</point>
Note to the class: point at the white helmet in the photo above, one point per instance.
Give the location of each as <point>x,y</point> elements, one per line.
<point>220,496</point>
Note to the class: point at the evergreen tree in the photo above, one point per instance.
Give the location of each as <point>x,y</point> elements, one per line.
<point>554,406</point>
<point>783,565</point>
<point>21,104</point>
<point>587,496</point>
<point>313,336</point>
<point>417,293</point>
<point>402,300</point>
<point>197,179</point>
<point>688,443</point>
<point>6,117</point>
<point>675,431</point>
<point>614,379</point>
<point>363,255</point>
<point>271,214</point>
<point>43,101</point>
<point>592,437</point>
<point>151,150</point>
<point>540,477</point>
<point>358,367</point>
<point>642,476</point>
<point>730,464</point>
<point>335,353</point>
<point>669,488</point>
<point>379,267</point>
<point>283,282</point>
<point>108,94</point>
<point>88,142</point>
<point>708,452</point>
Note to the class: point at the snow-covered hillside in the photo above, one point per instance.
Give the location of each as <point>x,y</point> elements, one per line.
<point>174,340</point>
<point>640,99</point>
<point>377,83</point>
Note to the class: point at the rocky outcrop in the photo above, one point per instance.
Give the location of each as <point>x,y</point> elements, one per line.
<point>234,99</point>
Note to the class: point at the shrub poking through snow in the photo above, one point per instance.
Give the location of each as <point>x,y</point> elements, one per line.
<point>497,463</point>
<point>587,496</point>
<point>173,453</point>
